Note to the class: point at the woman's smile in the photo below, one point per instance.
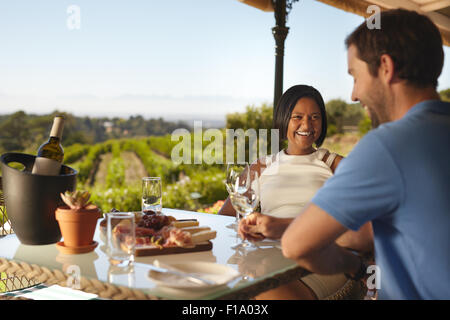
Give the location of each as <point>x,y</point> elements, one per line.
<point>304,133</point>
<point>304,127</point>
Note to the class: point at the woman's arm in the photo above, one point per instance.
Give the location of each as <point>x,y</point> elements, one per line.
<point>227,209</point>
<point>335,162</point>
<point>258,226</point>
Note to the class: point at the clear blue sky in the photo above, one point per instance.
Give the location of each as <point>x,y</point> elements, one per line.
<point>202,58</point>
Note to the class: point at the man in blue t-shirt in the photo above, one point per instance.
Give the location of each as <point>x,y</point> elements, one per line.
<point>398,175</point>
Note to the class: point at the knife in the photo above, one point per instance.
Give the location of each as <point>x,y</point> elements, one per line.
<point>191,277</point>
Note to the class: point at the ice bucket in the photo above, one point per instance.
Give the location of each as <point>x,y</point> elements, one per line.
<point>31,200</point>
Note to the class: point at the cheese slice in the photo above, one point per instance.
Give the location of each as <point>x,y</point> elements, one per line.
<point>193,230</point>
<point>203,236</point>
<point>183,224</point>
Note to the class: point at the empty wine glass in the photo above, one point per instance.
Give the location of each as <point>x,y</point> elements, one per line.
<point>245,203</point>
<point>237,182</point>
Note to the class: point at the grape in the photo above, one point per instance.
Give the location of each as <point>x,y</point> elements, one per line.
<point>154,221</point>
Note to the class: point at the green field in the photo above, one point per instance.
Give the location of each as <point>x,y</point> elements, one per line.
<point>111,167</point>
<point>112,172</point>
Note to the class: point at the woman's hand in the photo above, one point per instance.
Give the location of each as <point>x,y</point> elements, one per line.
<point>259,226</point>
<point>247,230</point>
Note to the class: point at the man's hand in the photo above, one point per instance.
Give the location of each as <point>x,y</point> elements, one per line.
<point>259,226</point>
<point>310,240</point>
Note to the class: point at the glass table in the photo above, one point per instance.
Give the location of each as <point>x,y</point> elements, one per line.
<point>260,269</point>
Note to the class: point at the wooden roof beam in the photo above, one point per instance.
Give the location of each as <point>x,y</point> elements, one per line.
<point>440,20</point>
<point>435,5</point>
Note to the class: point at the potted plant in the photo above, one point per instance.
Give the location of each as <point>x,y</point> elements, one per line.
<point>78,219</point>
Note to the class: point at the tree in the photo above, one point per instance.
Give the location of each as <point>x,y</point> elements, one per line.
<point>340,114</point>
<point>253,118</point>
<point>365,125</point>
<point>15,133</point>
<point>335,114</point>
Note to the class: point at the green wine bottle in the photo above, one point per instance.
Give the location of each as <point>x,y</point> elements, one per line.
<point>50,155</point>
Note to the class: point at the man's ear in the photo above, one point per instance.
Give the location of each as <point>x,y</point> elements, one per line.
<point>386,70</point>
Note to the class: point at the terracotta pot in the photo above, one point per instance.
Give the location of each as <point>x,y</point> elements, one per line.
<point>77,226</point>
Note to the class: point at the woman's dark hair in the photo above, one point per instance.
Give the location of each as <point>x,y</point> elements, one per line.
<point>287,102</point>
<point>410,39</point>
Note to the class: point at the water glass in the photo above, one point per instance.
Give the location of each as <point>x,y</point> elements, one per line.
<point>246,203</point>
<point>121,239</point>
<point>237,181</point>
<point>237,177</point>
<point>151,195</point>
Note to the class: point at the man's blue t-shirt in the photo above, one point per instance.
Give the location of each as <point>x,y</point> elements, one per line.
<point>398,177</point>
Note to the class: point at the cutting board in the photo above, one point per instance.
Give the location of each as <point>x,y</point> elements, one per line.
<point>141,251</point>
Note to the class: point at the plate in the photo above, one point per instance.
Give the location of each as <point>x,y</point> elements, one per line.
<point>219,273</point>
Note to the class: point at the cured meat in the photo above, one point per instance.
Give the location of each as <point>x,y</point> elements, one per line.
<point>158,231</point>
<point>177,237</point>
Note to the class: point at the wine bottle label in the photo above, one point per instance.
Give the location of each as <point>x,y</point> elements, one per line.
<point>46,167</point>
<point>57,128</point>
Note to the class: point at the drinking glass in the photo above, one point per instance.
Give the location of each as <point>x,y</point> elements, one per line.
<point>245,203</point>
<point>121,239</point>
<point>151,195</point>
<point>236,181</point>
<point>122,276</point>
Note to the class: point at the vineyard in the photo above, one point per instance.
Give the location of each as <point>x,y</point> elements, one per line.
<point>111,161</point>
<point>112,172</point>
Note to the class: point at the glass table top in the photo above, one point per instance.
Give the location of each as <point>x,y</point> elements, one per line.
<point>253,265</point>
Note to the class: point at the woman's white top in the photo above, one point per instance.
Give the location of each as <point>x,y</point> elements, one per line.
<point>289,182</point>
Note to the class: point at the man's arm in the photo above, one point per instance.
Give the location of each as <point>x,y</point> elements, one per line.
<point>310,240</point>
<point>361,240</point>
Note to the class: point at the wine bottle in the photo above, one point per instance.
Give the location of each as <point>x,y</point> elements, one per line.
<point>50,155</point>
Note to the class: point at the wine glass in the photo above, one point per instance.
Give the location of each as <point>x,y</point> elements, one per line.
<point>151,195</point>
<point>237,182</point>
<point>245,203</point>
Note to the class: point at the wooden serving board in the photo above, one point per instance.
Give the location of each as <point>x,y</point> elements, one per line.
<point>155,251</point>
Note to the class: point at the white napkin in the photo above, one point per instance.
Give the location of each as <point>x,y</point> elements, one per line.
<point>56,292</point>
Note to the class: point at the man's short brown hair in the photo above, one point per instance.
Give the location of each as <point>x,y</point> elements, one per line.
<point>410,39</point>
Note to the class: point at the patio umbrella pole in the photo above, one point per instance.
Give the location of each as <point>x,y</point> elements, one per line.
<point>280,32</point>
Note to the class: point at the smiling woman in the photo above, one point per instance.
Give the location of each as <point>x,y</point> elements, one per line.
<point>289,180</point>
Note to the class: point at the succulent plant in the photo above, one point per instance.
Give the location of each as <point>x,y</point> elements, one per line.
<point>77,200</point>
